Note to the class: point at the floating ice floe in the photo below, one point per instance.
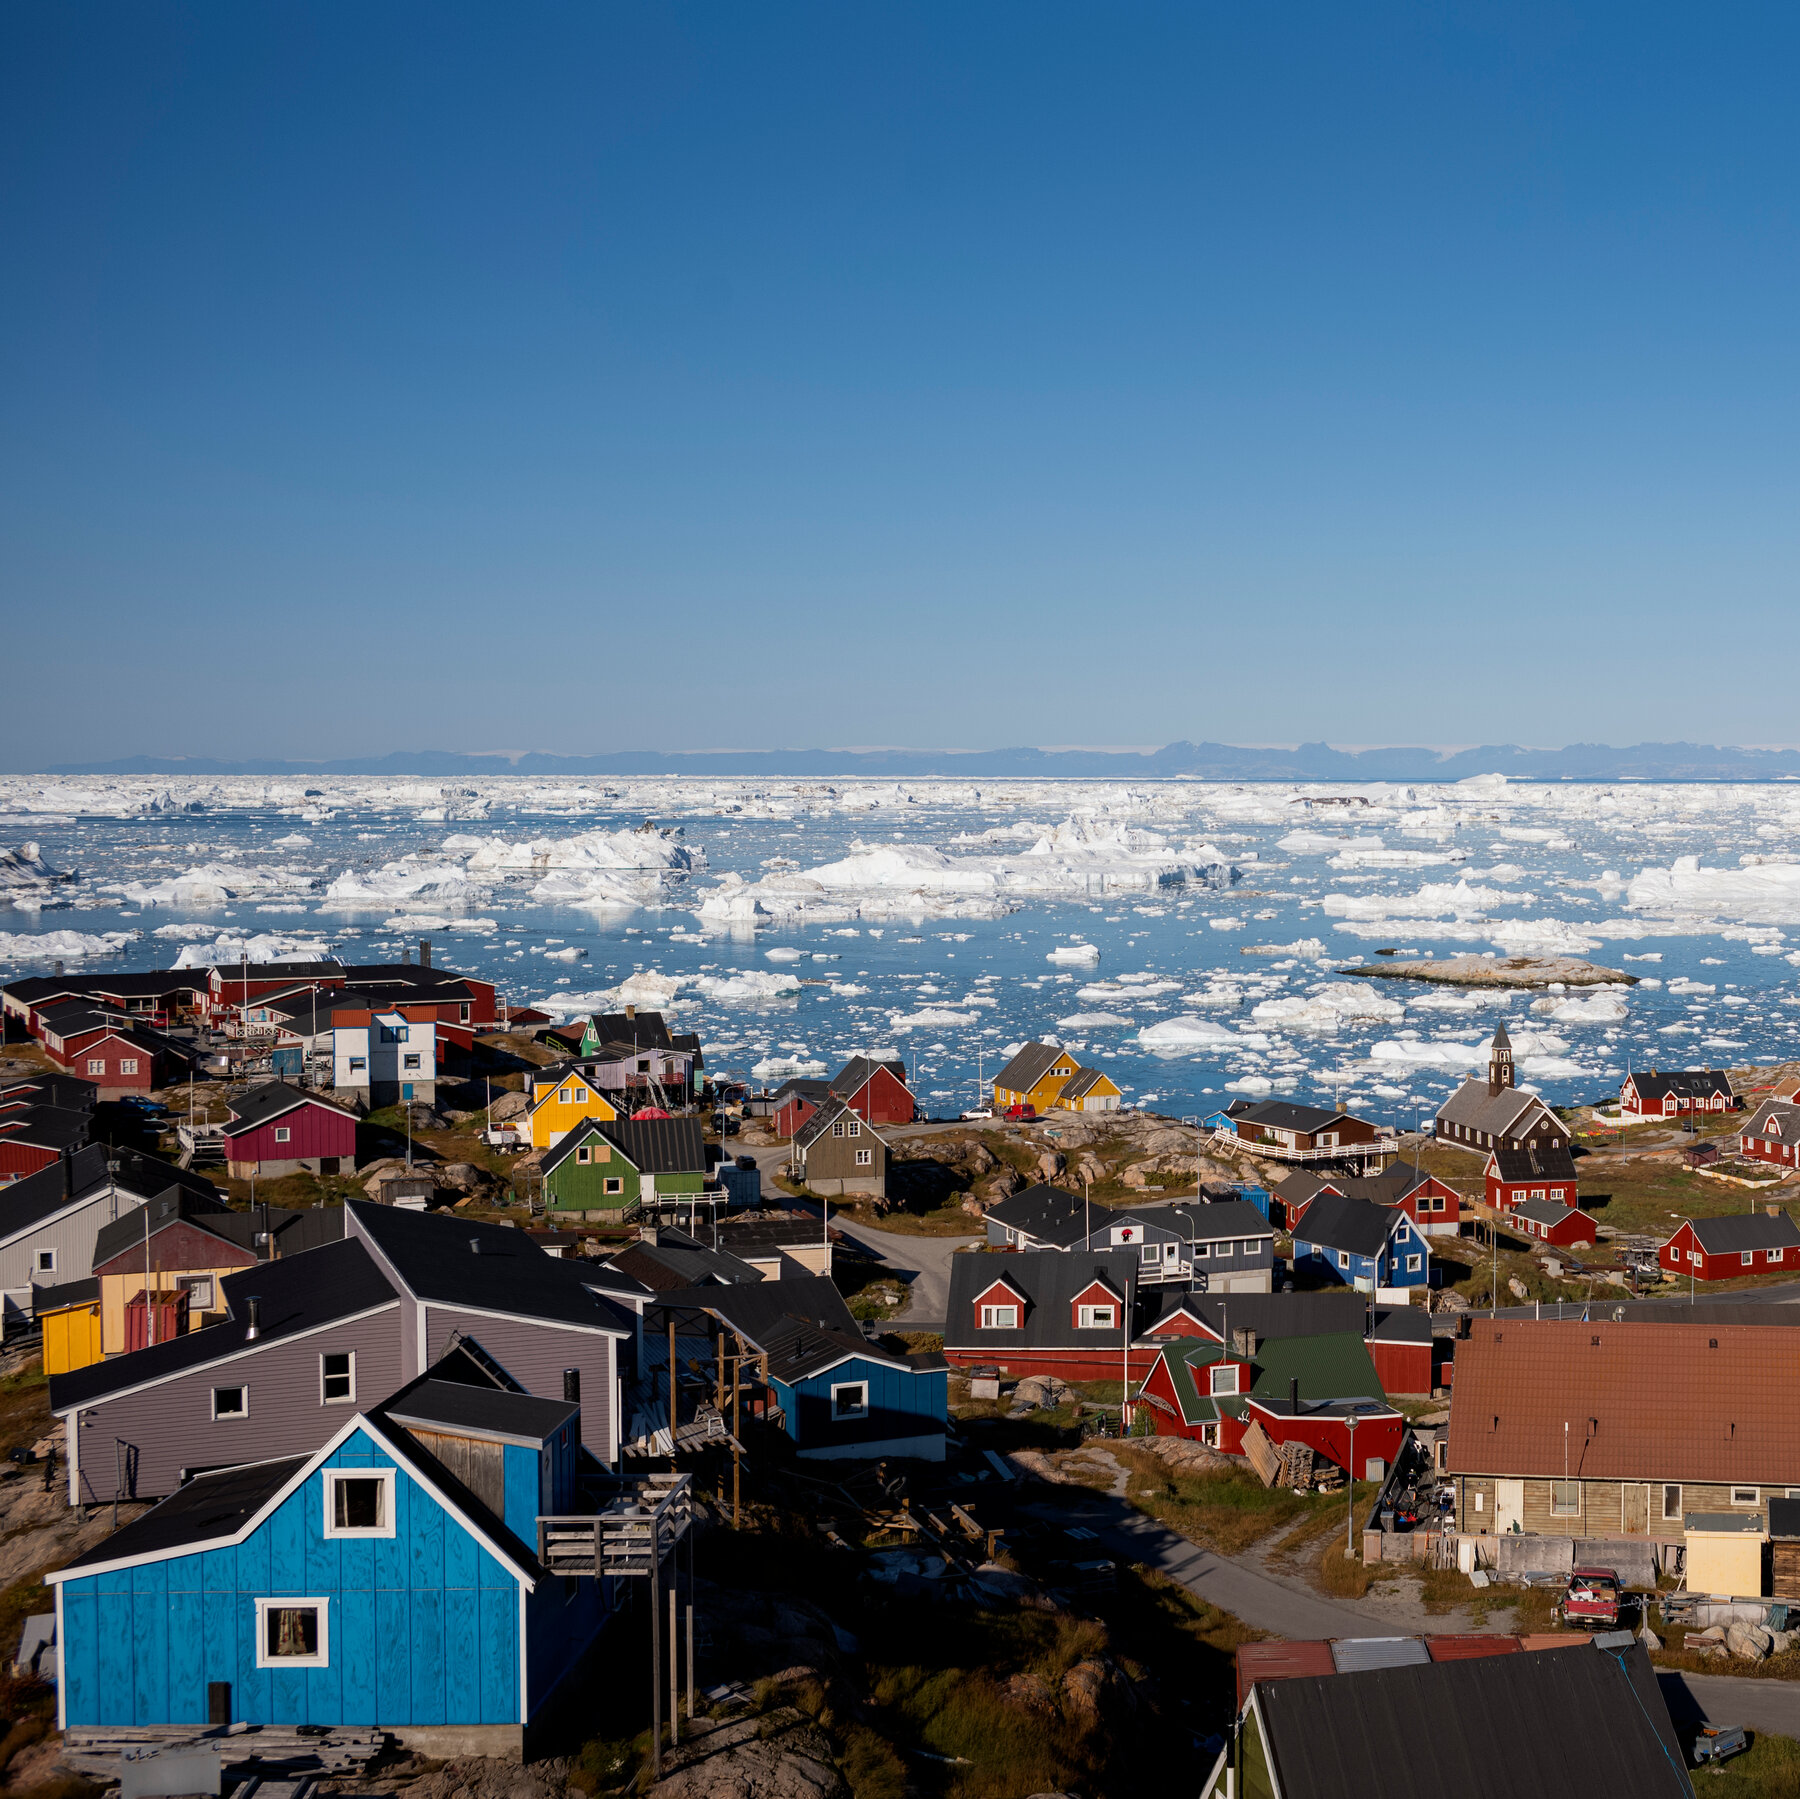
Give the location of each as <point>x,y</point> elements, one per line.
<point>1078,1021</point>
<point>1187,1035</point>
<point>406,879</point>
<point>783,955</point>
<point>431,921</point>
<point>931,1017</point>
<point>1603,1008</point>
<point>788,1068</point>
<point>216,884</point>
<point>1433,900</point>
<point>294,840</point>
<point>26,946</point>
<point>1766,894</point>
<point>1077,954</point>
<point>1305,949</point>
<point>27,881</point>
<point>265,946</point>
<point>1332,1006</point>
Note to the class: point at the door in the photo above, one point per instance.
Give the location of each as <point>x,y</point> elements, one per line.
<point>1634,1507</point>
<point>1509,1505</point>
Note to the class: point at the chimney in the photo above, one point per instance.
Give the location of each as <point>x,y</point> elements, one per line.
<point>424,952</point>
<point>405,956</point>
<point>631,1011</point>
<point>253,1306</point>
<point>1293,1395</point>
<point>572,1385</point>
<point>68,1162</point>
<point>1243,1341</point>
<point>57,969</point>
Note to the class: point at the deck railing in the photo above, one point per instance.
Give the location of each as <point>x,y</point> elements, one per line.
<point>629,1537</point>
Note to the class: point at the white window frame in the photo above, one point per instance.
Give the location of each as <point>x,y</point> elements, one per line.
<point>1343,1258</point>
<point>296,1603</point>
<point>1565,1511</point>
<point>1747,1258</point>
<point>865,1158</point>
<point>1222,1377</point>
<point>1675,1516</point>
<point>1746,1498</point>
<point>283,1134</point>
<point>1096,1318</point>
<point>46,1261</point>
<point>96,1065</point>
<point>128,1064</point>
<point>348,1398</point>
<point>999,1318</point>
<point>1414,1264</point>
<point>198,1288</point>
<point>242,1389</point>
<point>839,1416</point>
<point>335,1477</point>
<point>1771,1255</point>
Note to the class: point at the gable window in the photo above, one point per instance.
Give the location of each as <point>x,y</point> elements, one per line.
<point>292,1633</point>
<point>337,1377</point>
<point>96,1064</point>
<point>614,1183</point>
<point>1671,1505</point>
<point>1094,1318</point>
<point>1746,1496</point>
<point>128,1065</point>
<point>359,1502</point>
<point>853,1128</point>
<point>999,1318</point>
<point>1565,1499</point>
<point>584,1154</point>
<point>849,1399</point>
<point>865,1158</point>
<point>46,1261</point>
<point>837,1130</point>
<point>390,1034</point>
<point>282,1133</point>
<point>231,1402</point>
<point>1223,1377</point>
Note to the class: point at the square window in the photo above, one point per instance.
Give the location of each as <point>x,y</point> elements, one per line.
<point>999,1318</point>
<point>1671,1505</point>
<point>199,1289</point>
<point>1565,1499</point>
<point>231,1402</point>
<point>614,1183</point>
<point>359,1502</point>
<point>837,1130</point>
<point>1414,1264</point>
<point>46,1261</point>
<point>1247,1249</point>
<point>850,1399</point>
<point>96,1064</point>
<point>292,1633</point>
<point>337,1377</point>
<point>128,1064</point>
<point>865,1158</point>
<point>283,1134</point>
<point>411,1062</point>
<point>1771,1255</point>
<point>1202,1251</point>
<point>1221,1250</point>
<point>1223,1378</point>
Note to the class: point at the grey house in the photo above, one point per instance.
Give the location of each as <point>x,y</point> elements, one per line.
<point>837,1152</point>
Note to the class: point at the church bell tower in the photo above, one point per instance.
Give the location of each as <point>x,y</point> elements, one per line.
<point>1500,1063</point>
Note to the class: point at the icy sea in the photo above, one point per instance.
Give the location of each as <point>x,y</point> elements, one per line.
<point>1189,938</point>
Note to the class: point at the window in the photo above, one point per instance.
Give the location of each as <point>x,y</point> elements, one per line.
<point>1224,1377</point>
<point>358,1064</point>
<point>614,1183</point>
<point>581,1094</point>
<point>198,1288</point>
<point>96,1064</point>
<point>1565,1499</point>
<point>1414,1263</point>
<point>1748,1257</point>
<point>1221,1249</point>
<point>292,1633</point>
<point>850,1399</point>
<point>46,1261</point>
<point>391,1034</point>
<point>999,1318</point>
<point>231,1402</point>
<point>1746,1496</point>
<point>1202,1251</point>
<point>1247,1249</point>
<point>1150,1252</point>
<point>128,1064</point>
<point>1771,1255</point>
<point>1556,1193</point>
<point>837,1130</point>
<point>337,1377</point>
<point>853,1128</point>
<point>1671,1509</point>
<point>359,1502</point>
<point>1343,1258</point>
<point>865,1158</point>
<point>1094,1318</point>
<point>584,1154</point>
<point>283,1134</point>
<point>410,1061</point>
<point>567,1096</point>
<point>1537,1193</point>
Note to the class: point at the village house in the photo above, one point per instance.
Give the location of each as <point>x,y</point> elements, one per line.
<point>1494,1114</point>
<point>1514,1177</point>
<point>232,990</point>
<point>669,1260</point>
<point>102,1047</point>
<point>384,1058</point>
<point>563,1096</point>
<point>1668,1094</point>
<point>1282,1131</point>
<point>1068,1314</point>
<point>1732,1246</point>
<point>1551,1221</point>
<point>159,998</point>
<point>1043,1076</point>
<point>1431,1203</point>
<point>875,1090</point>
<point>275,1129</point>
<point>835,1152</point>
<point>390,1578</point>
<point>33,1134</point>
<point>607,1169</point>
<point>1773,1134</point>
<point>1369,1247</point>
<point>633,1056</point>
<point>1603,1429</point>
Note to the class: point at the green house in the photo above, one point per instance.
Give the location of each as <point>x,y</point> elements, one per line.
<point>607,1170</point>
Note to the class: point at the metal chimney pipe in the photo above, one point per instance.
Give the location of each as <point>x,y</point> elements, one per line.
<point>253,1305</point>
<point>424,952</point>
<point>572,1385</point>
<point>1294,1395</point>
<point>68,1162</point>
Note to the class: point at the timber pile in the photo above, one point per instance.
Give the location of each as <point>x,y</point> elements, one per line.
<point>1284,1465</point>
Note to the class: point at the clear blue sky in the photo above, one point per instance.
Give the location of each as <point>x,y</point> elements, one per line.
<point>596,376</point>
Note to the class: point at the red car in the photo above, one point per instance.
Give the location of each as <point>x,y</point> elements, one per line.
<point>1020,1112</point>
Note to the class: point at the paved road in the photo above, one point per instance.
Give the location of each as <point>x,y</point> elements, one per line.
<point>1772,1705</point>
<point>923,1263</point>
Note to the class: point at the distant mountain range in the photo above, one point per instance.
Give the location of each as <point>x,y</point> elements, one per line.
<point>1175,761</point>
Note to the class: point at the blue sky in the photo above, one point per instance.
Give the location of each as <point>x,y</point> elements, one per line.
<point>583,378</point>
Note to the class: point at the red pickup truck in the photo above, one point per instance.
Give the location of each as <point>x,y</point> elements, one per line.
<point>1594,1599</point>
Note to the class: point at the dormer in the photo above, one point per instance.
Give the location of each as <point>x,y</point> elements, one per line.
<point>1099,1306</point>
<point>1000,1306</point>
<point>1227,1379</point>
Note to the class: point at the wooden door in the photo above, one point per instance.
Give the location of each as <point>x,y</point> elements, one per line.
<point>1634,1507</point>
<point>1509,1505</point>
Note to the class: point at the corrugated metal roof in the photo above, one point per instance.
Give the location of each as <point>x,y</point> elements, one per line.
<point>1354,1655</point>
<point>1469,1648</point>
<point>1280,1661</point>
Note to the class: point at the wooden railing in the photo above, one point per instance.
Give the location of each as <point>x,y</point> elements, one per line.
<point>629,1537</point>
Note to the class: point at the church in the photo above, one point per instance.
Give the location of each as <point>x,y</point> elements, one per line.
<point>1528,1145</point>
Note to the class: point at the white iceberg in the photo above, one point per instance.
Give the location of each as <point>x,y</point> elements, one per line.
<point>72,946</point>
<point>1336,1004</point>
<point>1074,953</point>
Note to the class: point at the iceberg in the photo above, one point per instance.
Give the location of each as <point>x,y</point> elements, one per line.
<point>1077,953</point>
<point>1769,894</point>
<point>1336,1004</point>
<point>213,885</point>
<point>27,881</point>
<point>71,946</point>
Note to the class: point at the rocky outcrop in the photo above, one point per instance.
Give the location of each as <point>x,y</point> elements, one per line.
<point>780,1755</point>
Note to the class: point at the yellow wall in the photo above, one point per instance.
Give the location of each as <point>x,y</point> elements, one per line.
<point>1093,1100</point>
<point>1728,1563</point>
<point>1043,1095</point>
<point>71,1339</point>
<point>553,1116</point>
<point>116,1292</point>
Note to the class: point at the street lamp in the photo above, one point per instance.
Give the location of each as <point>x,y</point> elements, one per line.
<point>1350,1518</point>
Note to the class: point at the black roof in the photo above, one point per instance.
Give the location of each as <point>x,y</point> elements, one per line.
<point>1328,1314</point>
<point>659,1145</point>
<point>70,1293</point>
<point>1400,1324</point>
<point>744,1236</point>
<point>41,1195</point>
<point>296,1295</point>
<point>46,1127</point>
<point>485,1267</point>
<point>1285,1115</point>
<point>1549,1162</point>
<point>47,1089</point>
<point>321,1002</point>
<point>671,1260</point>
<point>455,1407</point>
<point>567,1144</point>
<point>1681,1083</point>
<point>766,1309</point>
<point>1046,1214</point>
<point>416,975</point>
<point>270,1100</point>
<point>293,1230</point>
<point>644,1030</point>
<point>1334,1221</point>
<point>237,973</point>
<point>1598,1728</point>
<point>1048,1280</point>
<point>831,1111</point>
<point>152,985</point>
<point>1207,1221</point>
<point>174,1205</point>
<point>797,1348</point>
<point>1740,1231</point>
<point>802,1089</point>
<point>860,1070</point>
<point>1545,1211</point>
<point>209,1507</point>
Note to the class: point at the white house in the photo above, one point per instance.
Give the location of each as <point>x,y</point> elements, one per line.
<point>381,1058</point>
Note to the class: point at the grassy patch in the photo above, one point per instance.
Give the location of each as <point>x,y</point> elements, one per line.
<point>1768,1769</point>
<point>1226,1509</point>
<point>1348,1576</point>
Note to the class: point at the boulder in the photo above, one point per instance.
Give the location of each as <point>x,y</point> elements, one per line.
<point>1517,1287</point>
<point>1044,1390</point>
<point>1747,1642</point>
<point>483,1777</point>
<point>1030,1692</point>
<point>1051,1163</point>
<point>1138,1174</point>
<point>1083,1687</point>
<point>973,1206</point>
<point>509,1105</point>
<point>781,1755</point>
<point>465,1177</point>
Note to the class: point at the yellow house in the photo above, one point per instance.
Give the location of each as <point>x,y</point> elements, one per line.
<point>560,1098</point>
<point>1034,1077</point>
<point>70,1316</point>
<point>1088,1090</point>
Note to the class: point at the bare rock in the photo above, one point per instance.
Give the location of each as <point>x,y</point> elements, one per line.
<point>1051,1163</point>
<point>483,1777</point>
<point>781,1755</point>
<point>973,1206</point>
<point>1006,1183</point>
<point>1030,1692</point>
<point>1083,1687</point>
<point>509,1105</point>
<point>1138,1174</point>
<point>977,1158</point>
<point>1517,1287</point>
<point>1747,1642</point>
<point>465,1177</point>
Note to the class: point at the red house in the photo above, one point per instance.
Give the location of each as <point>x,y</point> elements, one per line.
<point>1538,1171</point>
<point>117,1060</point>
<point>798,1101</point>
<point>1668,1095</point>
<point>1550,1221</point>
<point>1326,1428</point>
<point>1433,1205</point>
<point>276,1129</point>
<point>32,1137</point>
<point>1728,1248</point>
<point>875,1091</point>
<point>1046,1311</point>
<point>1773,1134</point>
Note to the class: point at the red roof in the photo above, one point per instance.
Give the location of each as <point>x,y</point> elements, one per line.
<point>1280,1661</point>
<point>1469,1648</point>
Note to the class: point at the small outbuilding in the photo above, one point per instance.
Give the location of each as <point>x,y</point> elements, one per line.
<point>1725,1553</point>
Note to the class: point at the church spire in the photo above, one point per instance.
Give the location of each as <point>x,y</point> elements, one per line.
<point>1500,1062</point>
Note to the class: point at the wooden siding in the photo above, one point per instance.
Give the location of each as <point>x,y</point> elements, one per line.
<point>903,1402</point>
<point>423,1627</point>
<point>71,1234</point>
<point>830,1165</point>
<point>535,1355</point>
<point>315,1130</point>
<point>71,1338</point>
<point>170,1426</point>
<point>1609,1508</point>
<point>573,1186</point>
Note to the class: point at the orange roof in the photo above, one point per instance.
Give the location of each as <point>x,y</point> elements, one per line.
<point>1641,1401</point>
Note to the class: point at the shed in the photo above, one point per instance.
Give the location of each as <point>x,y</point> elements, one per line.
<point>1724,1553</point>
<point>1784,1548</point>
<point>1469,1647</point>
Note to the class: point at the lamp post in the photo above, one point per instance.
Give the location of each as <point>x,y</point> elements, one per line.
<point>1350,1518</point>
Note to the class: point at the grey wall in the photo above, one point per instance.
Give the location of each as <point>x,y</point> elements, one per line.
<point>168,1427</point>
<point>71,1236</point>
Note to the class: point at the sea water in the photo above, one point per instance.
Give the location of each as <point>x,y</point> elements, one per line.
<point>1190,939</point>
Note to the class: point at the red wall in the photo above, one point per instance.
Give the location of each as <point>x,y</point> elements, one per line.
<point>1330,1437</point>
<point>882,1099</point>
<point>112,1051</point>
<point>20,1159</point>
<point>316,1131</point>
<point>1402,1367</point>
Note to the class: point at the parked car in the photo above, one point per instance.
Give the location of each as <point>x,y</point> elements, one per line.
<point>1025,1111</point>
<point>1594,1599</point>
<point>979,1112</point>
<point>151,1108</point>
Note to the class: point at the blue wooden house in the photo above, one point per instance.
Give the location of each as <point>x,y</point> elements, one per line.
<point>389,1579</point>
<point>1361,1244</point>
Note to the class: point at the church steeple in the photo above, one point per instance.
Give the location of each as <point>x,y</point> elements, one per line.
<point>1500,1063</point>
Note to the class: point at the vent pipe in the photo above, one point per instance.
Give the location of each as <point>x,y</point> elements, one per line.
<point>57,969</point>
<point>424,952</point>
<point>1293,1395</point>
<point>253,1305</point>
<point>572,1385</point>
<point>630,1010</point>
<point>474,1246</point>
<point>68,1162</point>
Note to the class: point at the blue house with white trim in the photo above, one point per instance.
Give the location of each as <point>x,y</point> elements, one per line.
<point>390,1579</point>
<point>1361,1244</point>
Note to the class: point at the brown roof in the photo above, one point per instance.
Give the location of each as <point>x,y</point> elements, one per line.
<point>1652,1402</point>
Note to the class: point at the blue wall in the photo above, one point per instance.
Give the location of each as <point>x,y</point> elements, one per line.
<point>903,1402</point>
<point>424,1626</point>
<point>1389,1270</point>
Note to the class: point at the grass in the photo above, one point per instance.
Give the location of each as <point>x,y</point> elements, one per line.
<point>1226,1509</point>
<point>1768,1769</point>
